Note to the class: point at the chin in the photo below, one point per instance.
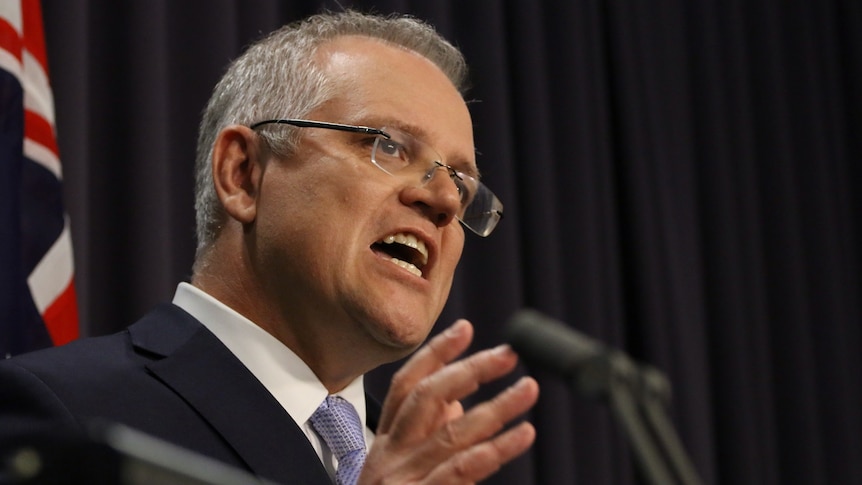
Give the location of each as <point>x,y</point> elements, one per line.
<point>402,337</point>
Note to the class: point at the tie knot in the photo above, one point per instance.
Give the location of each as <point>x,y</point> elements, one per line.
<point>338,423</point>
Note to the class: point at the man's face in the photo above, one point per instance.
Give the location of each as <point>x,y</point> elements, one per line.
<point>327,217</point>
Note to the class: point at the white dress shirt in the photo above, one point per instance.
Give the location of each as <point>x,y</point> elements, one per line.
<point>279,369</point>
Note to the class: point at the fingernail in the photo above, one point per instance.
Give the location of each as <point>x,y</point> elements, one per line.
<point>523,383</point>
<point>456,329</point>
<point>503,349</point>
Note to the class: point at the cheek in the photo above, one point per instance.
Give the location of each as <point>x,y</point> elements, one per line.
<point>453,247</point>
<point>306,196</point>
<point>289,219</point>
<point>453,244</point>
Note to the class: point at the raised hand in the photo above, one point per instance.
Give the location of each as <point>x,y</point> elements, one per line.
<point>424,435</point>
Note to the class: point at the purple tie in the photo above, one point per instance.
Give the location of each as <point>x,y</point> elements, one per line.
<point>338,424</point>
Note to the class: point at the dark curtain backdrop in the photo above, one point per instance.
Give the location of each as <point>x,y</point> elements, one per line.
<point>680,180</point>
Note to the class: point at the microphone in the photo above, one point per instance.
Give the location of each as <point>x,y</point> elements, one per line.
<point>549,343</point>
<point>590,366</point>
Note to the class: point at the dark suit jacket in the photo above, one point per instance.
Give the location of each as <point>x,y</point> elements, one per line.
<point>169,377</point>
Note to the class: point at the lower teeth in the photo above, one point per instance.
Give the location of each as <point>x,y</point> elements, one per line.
<point>409,267</point>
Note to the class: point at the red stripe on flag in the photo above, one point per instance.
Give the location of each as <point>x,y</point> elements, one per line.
<point>10,39</point>
<point>61,317</point>
<point>39,130</point>
<point>34,34</point>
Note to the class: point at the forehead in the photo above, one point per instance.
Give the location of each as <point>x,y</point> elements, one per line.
<point>378,83</point>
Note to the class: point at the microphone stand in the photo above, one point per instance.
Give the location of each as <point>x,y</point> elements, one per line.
<point>637,394</point>
<point>637,397</point>
<point>654,399</point>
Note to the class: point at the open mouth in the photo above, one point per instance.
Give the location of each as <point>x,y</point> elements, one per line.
<point>404,250</point>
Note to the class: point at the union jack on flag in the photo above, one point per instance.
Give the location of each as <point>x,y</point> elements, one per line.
<point>37,291</point>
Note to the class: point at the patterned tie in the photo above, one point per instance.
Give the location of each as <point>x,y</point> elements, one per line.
<point>338,424</point>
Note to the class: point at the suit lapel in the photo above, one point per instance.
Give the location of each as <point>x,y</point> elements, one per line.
<point>202,370</point>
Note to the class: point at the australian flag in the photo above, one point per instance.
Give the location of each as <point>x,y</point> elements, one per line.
<point>37,292</point>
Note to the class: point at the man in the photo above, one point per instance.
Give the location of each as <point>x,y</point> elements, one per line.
<point>335,176</point>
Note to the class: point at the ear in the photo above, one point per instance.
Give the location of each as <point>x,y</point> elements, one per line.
<point>237,168</point>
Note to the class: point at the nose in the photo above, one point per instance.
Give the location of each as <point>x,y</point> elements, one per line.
<point>436,196</point>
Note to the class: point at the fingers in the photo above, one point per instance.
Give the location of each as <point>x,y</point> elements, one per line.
<point>483,422</point>
<point>438,352</point>
<point>463,450</point>
<point>426,436</point>
<point>477,457</point>
<point>426,406</point>
<point>484,459</point>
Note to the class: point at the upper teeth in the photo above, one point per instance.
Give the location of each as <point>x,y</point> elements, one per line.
<point>410,241</point>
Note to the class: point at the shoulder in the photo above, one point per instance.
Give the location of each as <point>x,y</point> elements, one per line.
<point>106,378</point>
<point>92,373</point>
<point>51,379</point>
<point>84,363</point>
<point>70,357</point>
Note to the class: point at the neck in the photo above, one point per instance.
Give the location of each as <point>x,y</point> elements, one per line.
<point>337,349</point>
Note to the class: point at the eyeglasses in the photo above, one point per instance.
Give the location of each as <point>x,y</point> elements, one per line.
<point>396,152</point>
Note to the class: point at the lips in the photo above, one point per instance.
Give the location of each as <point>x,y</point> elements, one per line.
<point>404,250</point>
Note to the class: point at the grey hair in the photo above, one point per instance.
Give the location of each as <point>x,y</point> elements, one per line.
<point>277,78</point>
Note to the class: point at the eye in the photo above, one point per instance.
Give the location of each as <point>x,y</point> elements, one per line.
<point>465,188</point>
<point>391,155</point>
<point>391,148</point>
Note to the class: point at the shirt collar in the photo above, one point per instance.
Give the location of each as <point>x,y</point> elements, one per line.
<point>279,369</point>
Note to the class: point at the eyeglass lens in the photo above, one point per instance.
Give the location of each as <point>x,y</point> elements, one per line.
<point>480,209</point>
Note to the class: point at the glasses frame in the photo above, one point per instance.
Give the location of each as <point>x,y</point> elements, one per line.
<point>494,215</point>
